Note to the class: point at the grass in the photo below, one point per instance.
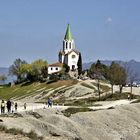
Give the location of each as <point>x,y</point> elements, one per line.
<point>24,90</point>
<point>104,88</point>
<point>14,131</point>
<point>82,102</point>
<point>118,96</point>
<point>74,110</point>
<point>108,97</point>
<point>88,86</point>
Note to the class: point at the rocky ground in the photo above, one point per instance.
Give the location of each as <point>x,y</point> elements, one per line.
<point>105,120</point>
<point>120,121</point>
<point>83,90</point>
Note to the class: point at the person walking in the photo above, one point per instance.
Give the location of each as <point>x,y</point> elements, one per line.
<point>129,96</point>
<point>49,102</point>
<point>2,107</point>
<point>16,107</point>
<point>25,105</point>
<point>9,106</point>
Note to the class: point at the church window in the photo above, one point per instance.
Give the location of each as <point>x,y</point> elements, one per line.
<point>73,67</point>
<point>66,45</point>
<point>73,56</point>
<point>70,45</point>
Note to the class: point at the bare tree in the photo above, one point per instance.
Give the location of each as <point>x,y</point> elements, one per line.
<point>3,78</point>
<point>132,75</point>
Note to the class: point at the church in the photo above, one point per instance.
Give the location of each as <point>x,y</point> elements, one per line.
<point>68,55</point>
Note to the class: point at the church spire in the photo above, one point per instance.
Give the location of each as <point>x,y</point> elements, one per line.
<point>68,35</point>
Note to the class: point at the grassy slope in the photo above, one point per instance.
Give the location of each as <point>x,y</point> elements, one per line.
<point>32,88</point>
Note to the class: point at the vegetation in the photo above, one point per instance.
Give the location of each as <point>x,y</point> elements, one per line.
<point>88,86</point>
<point>79,64</point>
<point>65,69</point>
<point>115,74</point>
<point>3,78</point>
<point>15,69</point>
<point>32,134</point>
<point>98,71</point>
<point>131,77</point>
<point>25,89</point>
<point>35,71</point>
<point>73,110</point>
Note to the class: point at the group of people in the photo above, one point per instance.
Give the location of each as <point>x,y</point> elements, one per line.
<point>11,106</point>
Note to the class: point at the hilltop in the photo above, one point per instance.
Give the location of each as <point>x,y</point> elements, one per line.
<point>132,64</point>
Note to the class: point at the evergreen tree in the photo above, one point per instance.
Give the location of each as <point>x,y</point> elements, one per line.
<point>79,64</point>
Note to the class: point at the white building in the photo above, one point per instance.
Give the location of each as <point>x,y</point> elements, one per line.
<point>68,55</point>
<point>55,68</point>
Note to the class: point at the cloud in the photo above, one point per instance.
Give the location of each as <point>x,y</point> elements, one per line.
<point>108,20</point>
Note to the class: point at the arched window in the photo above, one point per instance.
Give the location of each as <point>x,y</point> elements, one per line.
<point>66,45</point>
<point>73,56</point>
<point>70,45</point>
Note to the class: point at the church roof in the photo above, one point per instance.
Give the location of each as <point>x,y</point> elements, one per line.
<point>68,35</point>
<point>73,51</point>
<point>61,53</point>
<point>57,64</point>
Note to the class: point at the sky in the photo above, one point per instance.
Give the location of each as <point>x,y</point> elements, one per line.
<point>102,29</point>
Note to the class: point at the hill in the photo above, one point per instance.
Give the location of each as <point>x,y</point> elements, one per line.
<point>62,91</point>
<point>71,117</point>
<point>68,92</point>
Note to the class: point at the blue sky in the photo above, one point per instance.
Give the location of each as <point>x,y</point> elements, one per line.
<point>102,29</point>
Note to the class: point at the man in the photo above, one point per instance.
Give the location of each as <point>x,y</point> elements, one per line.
<point>49,102</point>
<point>2,107</point>
<point>9,106</point>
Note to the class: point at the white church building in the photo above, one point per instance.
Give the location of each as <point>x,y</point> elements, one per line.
<point>68,55</point>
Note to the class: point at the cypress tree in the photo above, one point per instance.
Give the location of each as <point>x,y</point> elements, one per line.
<point>79,64</point>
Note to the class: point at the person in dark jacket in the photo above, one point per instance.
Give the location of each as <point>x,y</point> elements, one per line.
<point>9,106</point>
<point>49,102</point>
<point>16,107</point>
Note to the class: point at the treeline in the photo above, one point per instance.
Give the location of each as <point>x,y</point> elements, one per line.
<point>115,74</point>
<point>36,71</point>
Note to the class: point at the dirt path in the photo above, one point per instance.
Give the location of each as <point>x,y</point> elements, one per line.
<point>100,105</point>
